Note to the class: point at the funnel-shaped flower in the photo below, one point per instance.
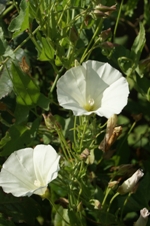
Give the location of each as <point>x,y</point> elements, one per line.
<point>94,87</point>
<point>130,184</point>
<point>28,171</point>
<point>142,220</point>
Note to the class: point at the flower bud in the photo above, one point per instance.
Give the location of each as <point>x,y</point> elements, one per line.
<point>112,133</point>
<point>96,203</point>
<point>50,121</point>
<point>104,11</point>
<point>105,35</point>
<point>84,155</point>
<point>130,184</point>
<point>142,220</point>
<point>113,184</point>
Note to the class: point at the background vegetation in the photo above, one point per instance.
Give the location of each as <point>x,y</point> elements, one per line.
<point>39,41</point>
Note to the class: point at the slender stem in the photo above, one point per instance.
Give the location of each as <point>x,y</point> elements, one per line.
<point>106,195</point>
<point>16,5</point>
<point>56,79</point>
<point>133,125</point>
<point>65,147</point>
<point>48,198</point>
<point>84,130</point>
<point>92,39</point>
<point>125,202</point>
<point>31,35</point>
<point>112,199</point>
<point>117,22</point>
<point>7,10</point>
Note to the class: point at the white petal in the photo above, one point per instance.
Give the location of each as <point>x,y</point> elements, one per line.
<point>71,88</point>
<point>142,220</point>
<point>104,70</point>
<point>46,163</point>
<point>17,174</point>
<point>114,98</point>
<point>129,184</point>
<point>28,171</point>
<point>94,84</point>
<point>94,87</point>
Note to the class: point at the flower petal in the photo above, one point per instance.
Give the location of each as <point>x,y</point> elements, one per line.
<point>70,88</point>
<point>142,220</point>
<point>129,184</point>
<point>46,163</point>
<point>94,87</point>
<point>114,98</point>
<point>17,174</point>
<point>28,171</point>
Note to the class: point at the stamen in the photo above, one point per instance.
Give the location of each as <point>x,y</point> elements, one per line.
<point>91,102</point>
<point>37,183</point>
<point>89,106</point>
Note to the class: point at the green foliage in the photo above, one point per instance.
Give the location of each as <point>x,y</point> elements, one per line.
<point>39,41</point>
<point>20,210</point>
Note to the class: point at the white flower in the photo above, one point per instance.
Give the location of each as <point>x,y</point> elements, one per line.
<point>94,87</point>
<point>129,184</point>
<point>142,221</point>
<point>28,171</point>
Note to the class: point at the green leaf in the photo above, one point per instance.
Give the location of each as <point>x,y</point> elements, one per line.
<point>21,22</point>
<point>6,85</point>
<point>59,216</point>
<point>25,89</point>
<point>142,86</point>
<point>5,49</point>
<point>19,209</point>
<point>43,102</point>
<point>127,65</point>
<point>5,222</point>
<point>130,7</point>
<point>2,5</point>
<point>49,51</point>
<point>5,140</point>
<point>46,52</point>
<point>21,113</point>
<point>139,43</point>
<point>21,136</point>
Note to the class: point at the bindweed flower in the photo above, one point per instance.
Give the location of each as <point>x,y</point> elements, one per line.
<point>142,220</point>
<point>93,87</point>
<point>29,171</point>
<point>130,184</point>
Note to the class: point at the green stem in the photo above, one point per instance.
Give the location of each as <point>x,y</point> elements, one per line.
<point>132,127</point>
<point>74,132</point>
<point>125,202</point>
<point>112,199</point>
<point>7,10</point>
<point>16,5</point>
<point>56,79</point>
<point>92,39</point>
<point>52,204</point>
<point>117,22</point>
<point>65,147</point>
<point>84,130</point>
<point>106,195</point>
<point>31,35</point>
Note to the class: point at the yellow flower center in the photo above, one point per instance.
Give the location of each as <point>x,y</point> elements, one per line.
<point>89,106</point>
